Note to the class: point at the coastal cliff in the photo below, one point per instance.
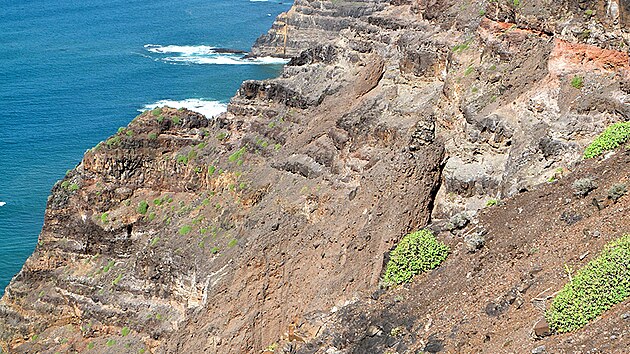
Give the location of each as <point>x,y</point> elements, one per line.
<point>268,227</point>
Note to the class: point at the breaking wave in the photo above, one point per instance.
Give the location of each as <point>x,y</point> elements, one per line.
<point>204,55</point>
<point>209,109</point>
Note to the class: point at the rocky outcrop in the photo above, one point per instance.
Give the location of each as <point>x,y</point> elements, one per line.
<point>274,220</point>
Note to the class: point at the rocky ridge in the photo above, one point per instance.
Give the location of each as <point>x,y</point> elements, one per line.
<point>181,234</point>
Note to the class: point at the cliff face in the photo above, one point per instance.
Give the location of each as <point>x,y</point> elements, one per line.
<point>185,235</point>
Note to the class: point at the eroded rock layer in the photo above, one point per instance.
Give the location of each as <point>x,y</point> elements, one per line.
<point>271,223</point>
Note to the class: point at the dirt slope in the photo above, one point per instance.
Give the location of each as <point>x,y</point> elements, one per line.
<point>271,223</point>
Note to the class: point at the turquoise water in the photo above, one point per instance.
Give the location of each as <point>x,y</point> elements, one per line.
<point>73,71</point>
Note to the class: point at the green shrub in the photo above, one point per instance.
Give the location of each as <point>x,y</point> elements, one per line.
<point>461,47</point>
<point>125,331</point>
<point>416,253</point>
<point>577,82</point>
<point>156,111</point>
<point>185,230</point>
<point>615,135</point>
<point>109,266</point>
<point>154,241</point>
<point>73,187</point>
<point>176,120</point>
<point>152,136</point>
<point>602,283</point>
<point>222,136</point>
<point>492,202</point>
<point>237,155</point>
<point>143,206</point>
<point>113,141</point>
<point>105,218</point>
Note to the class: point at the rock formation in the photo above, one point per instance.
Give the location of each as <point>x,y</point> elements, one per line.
<point>271,223</point>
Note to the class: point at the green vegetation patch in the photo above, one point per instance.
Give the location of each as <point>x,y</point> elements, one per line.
<point>416,253</point>
<point>602,283</point>
<point>611,138</point>
<point>113,141</point>
<point>185,230</point>
<point>461,47</point>
<point>577,82</point>
<point>125,331</point>
<point>183,159</point>
<point>222,136</point>
<point>117,280</point>
<point>237,155</point>
<point>143,206</point>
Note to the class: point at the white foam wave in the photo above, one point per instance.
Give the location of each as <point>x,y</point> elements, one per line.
<point>209,109</point>
<point>180,49</point>
<point>225,59</point>
<point>2,204</point>
<point>205,55</point>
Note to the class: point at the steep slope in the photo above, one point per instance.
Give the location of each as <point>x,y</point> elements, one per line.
<point>491,300</point>
<point>181,234</point>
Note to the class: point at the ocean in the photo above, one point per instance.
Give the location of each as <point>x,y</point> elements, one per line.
<point>73,71</point>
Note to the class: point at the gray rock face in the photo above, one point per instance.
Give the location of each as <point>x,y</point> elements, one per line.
<point>493,82</point>
<point>390,114</point>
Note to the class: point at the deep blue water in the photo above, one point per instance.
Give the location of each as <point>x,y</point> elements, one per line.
<point>73,71</point>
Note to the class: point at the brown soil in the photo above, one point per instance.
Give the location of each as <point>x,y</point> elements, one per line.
<point>490,300</point>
